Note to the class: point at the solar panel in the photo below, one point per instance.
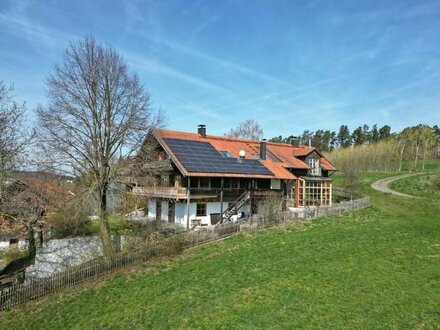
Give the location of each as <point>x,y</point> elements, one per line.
<point>199,156</point>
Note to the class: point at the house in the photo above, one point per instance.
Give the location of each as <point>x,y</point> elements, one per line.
<point>202,176</point>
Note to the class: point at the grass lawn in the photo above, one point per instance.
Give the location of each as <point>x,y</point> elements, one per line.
<point>423,185</point>
<point>116,224</point>
<point>374,268</point>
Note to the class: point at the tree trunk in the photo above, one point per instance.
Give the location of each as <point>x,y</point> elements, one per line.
<point>425,148</point>
<point>401,159</point>
<point>31,241</point>
<point>103,224</point>
<point>416,157</point>
<point>423,161</point>
<point>40,236</point>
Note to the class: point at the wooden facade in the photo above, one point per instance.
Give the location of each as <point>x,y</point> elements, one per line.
<point>299,176</point>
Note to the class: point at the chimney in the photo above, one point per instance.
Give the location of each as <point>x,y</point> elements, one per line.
<point>201,129</point>
<point>295,141</point>
<point>263,144</point>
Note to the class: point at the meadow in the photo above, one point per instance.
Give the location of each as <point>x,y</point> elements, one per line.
<point>373,268</point>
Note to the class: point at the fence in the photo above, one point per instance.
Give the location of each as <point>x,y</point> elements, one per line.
<point>24,292</point>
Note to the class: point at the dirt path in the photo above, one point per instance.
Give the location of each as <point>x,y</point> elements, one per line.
<point>382,185</point>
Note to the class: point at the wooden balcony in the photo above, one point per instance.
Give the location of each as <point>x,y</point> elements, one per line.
<point>161,192</point>
<point>200,193</point>
<point>158,166</point>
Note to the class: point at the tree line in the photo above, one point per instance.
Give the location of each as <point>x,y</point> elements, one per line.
<point>327,140</point>
<point>375,149</point>
<point>409,149</point>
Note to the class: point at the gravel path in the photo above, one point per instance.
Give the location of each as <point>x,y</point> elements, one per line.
<point>382,185</point>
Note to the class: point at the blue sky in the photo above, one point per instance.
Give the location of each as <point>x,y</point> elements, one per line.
<point>291,65</point>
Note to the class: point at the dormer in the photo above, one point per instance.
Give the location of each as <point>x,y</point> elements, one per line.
<point>313,161</point>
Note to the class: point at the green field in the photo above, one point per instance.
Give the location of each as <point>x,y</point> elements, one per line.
<point>374,268</point>
<point>116,225</point>
<point>423,185</point>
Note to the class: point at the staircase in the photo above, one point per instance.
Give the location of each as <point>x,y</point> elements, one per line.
<point>232,209</point>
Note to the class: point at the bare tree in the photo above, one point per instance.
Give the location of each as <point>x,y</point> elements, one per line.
<point>23,204</point>
<point>428,142</point>
<point>13,137</point>
<point>248,130</point>
<point>98,112</point>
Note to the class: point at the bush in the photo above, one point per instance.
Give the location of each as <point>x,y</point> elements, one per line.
<point>70,221</point>
<point>270,208</point>
<point>155,245</point>
<point>438,179</point>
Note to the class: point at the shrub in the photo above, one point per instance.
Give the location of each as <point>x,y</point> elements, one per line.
<point>155,245</point>
<point>438,179</point>
<point>72,220</point>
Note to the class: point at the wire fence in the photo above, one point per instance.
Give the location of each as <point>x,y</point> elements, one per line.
<point>27,291</point>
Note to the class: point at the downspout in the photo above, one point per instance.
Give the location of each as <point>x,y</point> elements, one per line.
<point>331,193</point>
<point>296,197</point>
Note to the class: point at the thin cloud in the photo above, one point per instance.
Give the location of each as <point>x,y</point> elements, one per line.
<point>220,62</point>
<point>152,65</point>
<point>17,23</point>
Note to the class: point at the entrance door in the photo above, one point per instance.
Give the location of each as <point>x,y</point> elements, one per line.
<point>171,212</point>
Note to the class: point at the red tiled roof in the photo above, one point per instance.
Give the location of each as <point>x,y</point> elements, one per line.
<point>326,165</point>
<point>286,153</point>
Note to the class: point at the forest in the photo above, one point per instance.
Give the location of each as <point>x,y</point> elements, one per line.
<point>375,149</point>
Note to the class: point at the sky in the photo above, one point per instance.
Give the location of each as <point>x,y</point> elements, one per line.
<point>290,65</point>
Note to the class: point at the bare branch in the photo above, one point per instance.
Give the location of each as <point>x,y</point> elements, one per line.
<point>98,110</point>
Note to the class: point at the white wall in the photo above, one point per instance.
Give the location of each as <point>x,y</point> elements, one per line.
<point>180,218</point>
<point>180,211</point>
<point>4,245</point>
<point>213,207</point>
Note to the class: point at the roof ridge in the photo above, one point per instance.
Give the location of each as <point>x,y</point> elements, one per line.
<point>226,138</point>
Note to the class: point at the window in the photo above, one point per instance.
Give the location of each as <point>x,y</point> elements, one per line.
<point>201,210</point>
<point>314,166</point>
<point>314,193</point>
<point>225,154</point>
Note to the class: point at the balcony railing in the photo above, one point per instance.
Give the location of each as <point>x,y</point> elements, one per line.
<point>182,193</point>
<point>163,192</point>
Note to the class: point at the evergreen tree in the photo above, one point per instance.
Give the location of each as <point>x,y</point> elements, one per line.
<point>374,134</point>
<point>358,136</point>
<point>366,134</point>
<point>385,132</point>
<point>344,138</point>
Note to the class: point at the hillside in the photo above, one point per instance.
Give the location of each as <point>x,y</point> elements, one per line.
<point>372,268</point>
